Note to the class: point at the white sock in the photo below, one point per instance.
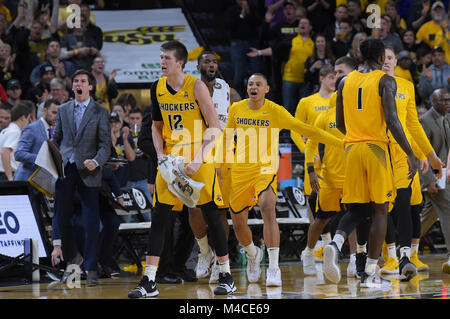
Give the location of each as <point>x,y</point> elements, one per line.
<point>352,258</point>
<point>371,265</point>
<point>414,248</point>
<point>274,254</point>
<point>224,267</point>
<point>326,238</point>
<point>361,248</point>
<point>339,240</point>
<point>250,249</point>
<point>392,251</point>
<point>203,244</point>
<point>150,272</point>
<point>405,251</point>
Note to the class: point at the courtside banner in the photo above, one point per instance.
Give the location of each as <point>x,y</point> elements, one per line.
<point>17,222</point>
<point>132,41</point>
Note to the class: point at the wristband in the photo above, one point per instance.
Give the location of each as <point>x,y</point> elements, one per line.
<point>259,52</point>
<point>310,169</point>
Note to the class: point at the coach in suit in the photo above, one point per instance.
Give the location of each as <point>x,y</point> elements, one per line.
<point>31,139</point>
<point>436,125</point>
<point>83,136</point>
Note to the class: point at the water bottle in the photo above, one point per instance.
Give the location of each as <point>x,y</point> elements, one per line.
<point>242,256</point>
<point>262,245</point>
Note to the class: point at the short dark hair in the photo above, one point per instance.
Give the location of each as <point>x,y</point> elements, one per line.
<point>127,98</point>
<point>181,53</point>
<point>372,49</point>
<point>200,58</point>
<point>260,74</point>
<point>348,61</point>
<point>91,78</point>
<point>338,80</point>
<point>437,49</point>
<point>49,102</point>
<point>136,110</point>
<point>24,107</point>
<point>347,20</point>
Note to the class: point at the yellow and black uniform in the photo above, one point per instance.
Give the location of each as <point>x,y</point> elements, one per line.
<point>333,161</point>
<point>256,158</point>
<point>368,171</point>
<point>182,134</point>
<point>308,109</point>
<point>407,114</point>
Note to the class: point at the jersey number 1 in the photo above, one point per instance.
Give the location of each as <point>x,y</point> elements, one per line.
<point>175,122</point>
<point>359,99</point>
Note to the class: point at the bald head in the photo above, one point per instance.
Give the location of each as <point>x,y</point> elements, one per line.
<point>440,100</point>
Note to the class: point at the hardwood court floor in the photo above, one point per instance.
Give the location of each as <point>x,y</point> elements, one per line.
<point>432,284</point>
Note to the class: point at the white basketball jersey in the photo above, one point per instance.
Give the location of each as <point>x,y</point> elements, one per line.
<point>221,100</point>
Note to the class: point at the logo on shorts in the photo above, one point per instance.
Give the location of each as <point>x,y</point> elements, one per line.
<point>389,194</point>
<point>219,198</point>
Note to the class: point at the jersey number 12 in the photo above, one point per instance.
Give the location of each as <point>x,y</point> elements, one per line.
<point>175,122</point>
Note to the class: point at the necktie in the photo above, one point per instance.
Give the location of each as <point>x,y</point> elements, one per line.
<point>78,116</point>
<point>50,133</point>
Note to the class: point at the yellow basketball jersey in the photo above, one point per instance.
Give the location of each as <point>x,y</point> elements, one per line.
<point>363,110</point>
<point>184,124</point>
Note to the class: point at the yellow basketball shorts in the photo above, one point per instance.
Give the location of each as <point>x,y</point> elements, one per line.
<point>368,174</point>
<point>246,187</point>
<point>400,168</point>
<point>226,186</point>
<point>211,192</point>
<point>329,199</point>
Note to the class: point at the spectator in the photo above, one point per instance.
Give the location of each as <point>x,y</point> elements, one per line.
<point>128,102</point>
<point>274,12</point>
<point>4,35</point>
<point>243,21</point>
<point>320,13</point>
<point>120,110</point>
<point>398,23</point>
<point>80,48</point>
<point>31,140</point>
<point>4,11</point>
<point>92,30</point>
<point>106,87</point>
<point>432,32</point>
<point>404,64</point>
<point>419,14</point>
<point>64,69</point>
<point>9,138</point>
<point>14,92</point>
<point>388,38</point>
<point>340,14</point>
<point>7,64</point>
<point>5,117</point>
<point>354,12</point>
<point>294,87</point>
<point>342,41</point>
<point>409,41</point>
<point>322,55</point>
<point>279,39</point>
<point>58,91</point>
<point>49,22</point>
<point>354,51</point>
<point>421,110</point>
<point>139,167</point>
<point>65,11</point>
<point>423,57</point>
<point>122,147</point>
<point>39,92</point>
<point>436,76</point>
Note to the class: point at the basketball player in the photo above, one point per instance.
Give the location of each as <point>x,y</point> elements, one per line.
<point>257,122</point>
<point>180,104</point>
<point>409,195</point>
<point>223,96</point>
<point>365,109</point>
<point>329,188</point>
<point>308,109</point>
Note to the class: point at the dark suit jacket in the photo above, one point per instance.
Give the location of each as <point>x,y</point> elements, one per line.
<point>31,139</point>
<point>439,138</point>
<point>93,140</point>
